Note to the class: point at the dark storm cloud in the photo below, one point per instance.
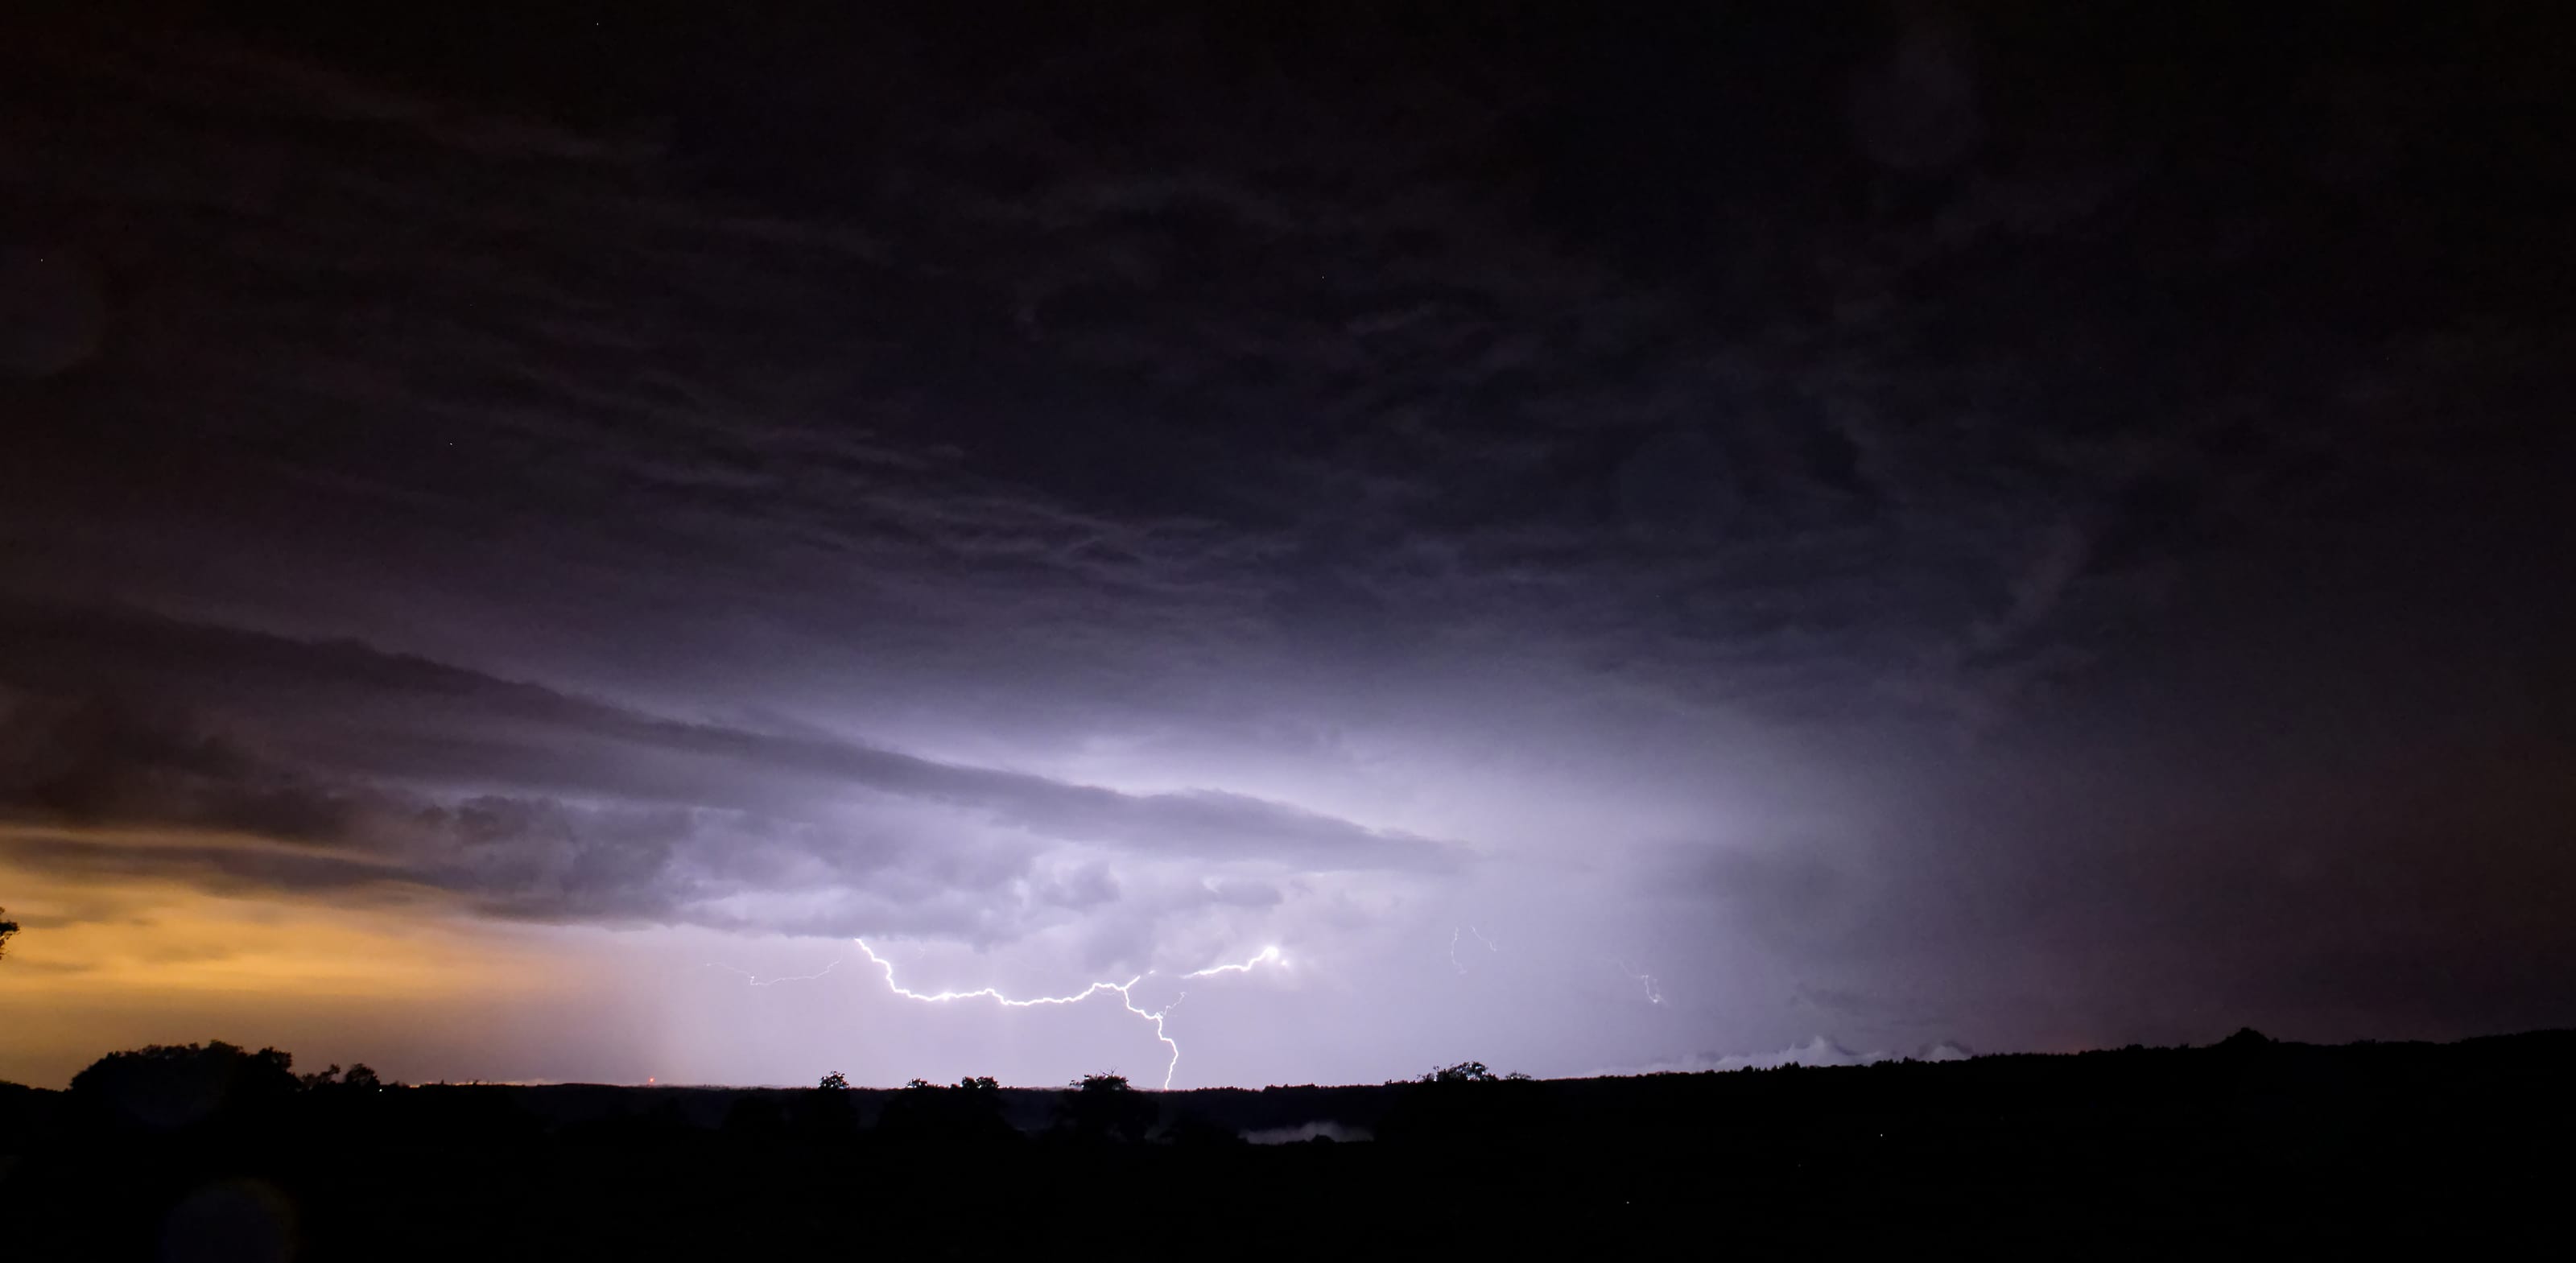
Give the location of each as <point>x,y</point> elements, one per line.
<point>226,869</point>
<point>1335,394</point>
<point>2155,888</point>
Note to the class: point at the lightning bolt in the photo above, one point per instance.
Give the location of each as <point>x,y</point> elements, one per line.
<point>1653,994</point>
<point>1268,955</point>
<point>1124,990</point>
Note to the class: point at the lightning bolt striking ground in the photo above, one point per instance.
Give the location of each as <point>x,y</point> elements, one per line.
<point>1125,992</point>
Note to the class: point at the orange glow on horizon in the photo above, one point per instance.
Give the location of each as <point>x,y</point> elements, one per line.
<point>110,959</point>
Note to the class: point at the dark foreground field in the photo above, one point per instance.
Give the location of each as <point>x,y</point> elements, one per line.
<point>2246,1148</point>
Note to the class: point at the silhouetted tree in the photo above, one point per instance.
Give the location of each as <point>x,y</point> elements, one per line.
<point>2246,1039</point>
<point>1106,1107</point>
<point>925,1113</point>
<point>1463,1072</point>
<point>8,930</point>
<point>330,1079</point>
<point>825,1113</point>
<point>172,1085</point>
<point>1463,1104</point>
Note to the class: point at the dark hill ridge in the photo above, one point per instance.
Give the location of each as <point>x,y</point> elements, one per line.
<point>2245,1068</point>
<point>2247,1144</point>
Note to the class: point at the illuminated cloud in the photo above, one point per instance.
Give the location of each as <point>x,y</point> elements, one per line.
<point>544,805</point>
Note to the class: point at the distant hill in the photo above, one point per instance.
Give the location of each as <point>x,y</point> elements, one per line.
<point>2249,1144</point>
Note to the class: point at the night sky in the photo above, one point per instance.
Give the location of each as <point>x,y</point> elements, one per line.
<point>1671,539</point>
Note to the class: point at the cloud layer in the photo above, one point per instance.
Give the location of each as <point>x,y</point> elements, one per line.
<point>535,803</point>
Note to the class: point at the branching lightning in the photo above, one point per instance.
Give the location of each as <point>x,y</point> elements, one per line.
<point>1124,990</point>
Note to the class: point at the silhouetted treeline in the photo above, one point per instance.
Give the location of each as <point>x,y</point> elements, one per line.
<point>2248,1145</point>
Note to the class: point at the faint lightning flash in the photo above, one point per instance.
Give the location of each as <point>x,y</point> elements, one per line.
<point>1126,996</point>
<point>1460,965</point>
<point>1653,994</point>
<point>758,981</point>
